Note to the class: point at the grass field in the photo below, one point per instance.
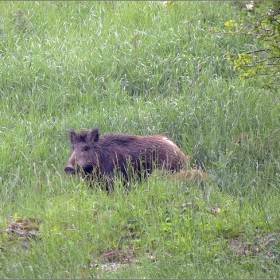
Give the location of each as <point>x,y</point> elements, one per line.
<point>138,68</point>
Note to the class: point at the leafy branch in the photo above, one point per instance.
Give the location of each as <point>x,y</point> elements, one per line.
<point>261,20</point>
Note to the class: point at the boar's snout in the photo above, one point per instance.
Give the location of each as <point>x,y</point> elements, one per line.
<point>69,169</point>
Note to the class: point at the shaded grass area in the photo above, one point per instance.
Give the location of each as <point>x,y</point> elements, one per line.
<point>138,68</point>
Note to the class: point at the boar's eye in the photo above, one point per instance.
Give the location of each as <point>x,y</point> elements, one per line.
<point>86,148</point>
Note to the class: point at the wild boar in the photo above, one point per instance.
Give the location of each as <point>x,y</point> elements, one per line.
<point>131,156</point>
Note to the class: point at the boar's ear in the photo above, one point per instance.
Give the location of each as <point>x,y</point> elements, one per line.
<point>94,135</point>
<point>73,135</point>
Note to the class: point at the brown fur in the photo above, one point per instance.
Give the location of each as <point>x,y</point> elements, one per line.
<point>102,157</point>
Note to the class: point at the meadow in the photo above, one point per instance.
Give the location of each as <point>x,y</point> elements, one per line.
<point>136,68</point>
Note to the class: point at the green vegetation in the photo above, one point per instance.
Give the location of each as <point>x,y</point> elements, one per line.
<point>138,68</point>
<point>260,20</point>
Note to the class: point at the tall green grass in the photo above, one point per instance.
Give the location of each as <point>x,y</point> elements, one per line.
<point>139,68</point>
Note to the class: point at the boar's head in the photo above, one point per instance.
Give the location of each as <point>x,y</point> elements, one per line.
<point>85,156</point>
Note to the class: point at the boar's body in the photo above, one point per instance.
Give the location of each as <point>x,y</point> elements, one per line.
<point>102,157</point>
